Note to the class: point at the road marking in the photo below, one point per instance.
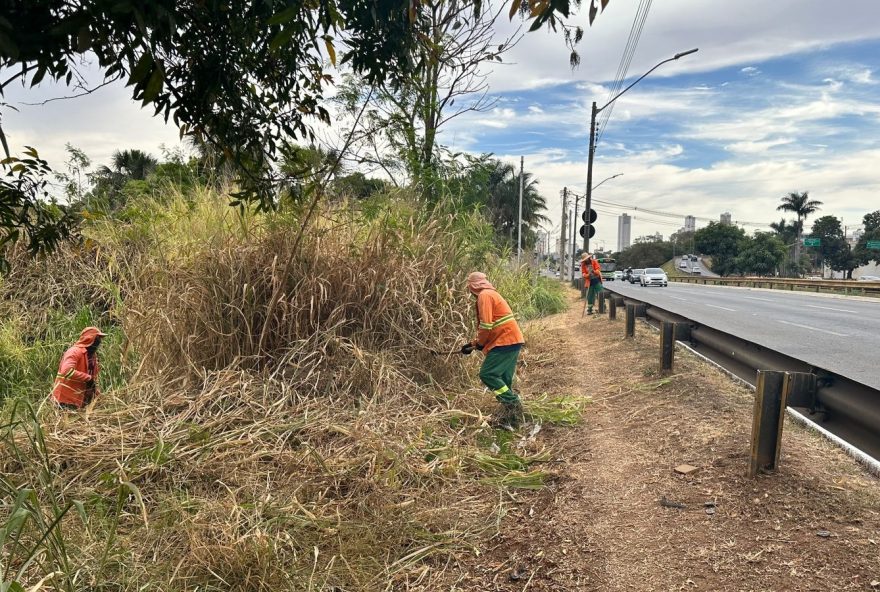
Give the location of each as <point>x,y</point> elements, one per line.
<point>815,329</point>
<point>761,299</point>
<point>721,307</point>
<point>830,308</point>
<point>682,299</point>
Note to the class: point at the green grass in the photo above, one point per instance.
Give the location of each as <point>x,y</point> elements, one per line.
<point>29,354</point>
<point>559,410</point>
<point>672,271</point>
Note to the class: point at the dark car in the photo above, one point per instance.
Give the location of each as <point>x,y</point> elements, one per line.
<point>635,277</point>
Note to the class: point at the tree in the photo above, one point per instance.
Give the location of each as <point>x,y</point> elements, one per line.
<point>861,254</point>
<point>503,202</point>
<point>27,211</point>
<point>721,242</point>
<point>760,255</point>
<point>646,254</point>
<point>240,76</point>
<point>76,178</point>
<point>447,80</point>
<point>833,249</point>
<point>802,206</point>
<point>872,221</point>
<point>110,181</point>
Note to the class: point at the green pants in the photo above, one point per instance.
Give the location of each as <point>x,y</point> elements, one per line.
<point>592,293</point>
<point>497,373</point>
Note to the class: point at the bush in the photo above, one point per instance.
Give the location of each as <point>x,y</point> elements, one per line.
<point>287,423</point>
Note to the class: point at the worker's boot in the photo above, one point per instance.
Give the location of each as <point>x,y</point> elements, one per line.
<point>515,415</point>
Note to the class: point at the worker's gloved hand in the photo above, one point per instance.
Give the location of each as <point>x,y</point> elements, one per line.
<point>467,348</point>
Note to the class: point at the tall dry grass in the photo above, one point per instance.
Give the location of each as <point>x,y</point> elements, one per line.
<point>342,454</point>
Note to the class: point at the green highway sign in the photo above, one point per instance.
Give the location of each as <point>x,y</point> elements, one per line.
<point>874,244</point>
<point>812,242</point>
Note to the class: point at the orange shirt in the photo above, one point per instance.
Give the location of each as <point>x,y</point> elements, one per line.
<point>497,325</point>
<point>597,270</point>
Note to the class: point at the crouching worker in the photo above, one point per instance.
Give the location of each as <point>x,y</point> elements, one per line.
<point>76,382</point>
<point>500,340</point>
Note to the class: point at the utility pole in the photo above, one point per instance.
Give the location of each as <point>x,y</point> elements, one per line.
<point>573,242</point>
<point>592,146</point>
<point>592,150</point>
<point>562,235</point>
<point>519,218</point>
<point>573,236</point>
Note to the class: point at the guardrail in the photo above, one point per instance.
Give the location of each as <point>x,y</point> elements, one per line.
<point>845,286</point>
<point>843,409</point>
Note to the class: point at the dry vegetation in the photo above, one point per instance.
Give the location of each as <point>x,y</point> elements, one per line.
<point>276,418</point>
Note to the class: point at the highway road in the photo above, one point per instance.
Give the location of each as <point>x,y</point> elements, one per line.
<point>704,271</point>
<point>838,334</point>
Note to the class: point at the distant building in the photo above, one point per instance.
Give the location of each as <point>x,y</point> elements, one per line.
<point>650,238</point>
<point>855,237</point>
<point>690,224</point>
<point>624,230</point>
<point>726,218</point>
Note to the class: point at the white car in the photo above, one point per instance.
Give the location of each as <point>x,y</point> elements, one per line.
<point>696,269</point>
<point>654,276</point>
<point>618,275</point>
<point>683,264</point>
<point>869,278</point>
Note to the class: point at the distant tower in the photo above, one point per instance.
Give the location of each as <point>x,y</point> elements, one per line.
<point>690,224</point>
<point>624,229</point>
<point>725,218</point>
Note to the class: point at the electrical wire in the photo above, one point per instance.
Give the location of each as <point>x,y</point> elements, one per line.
<point>625,61</point>
<point>666,214</point>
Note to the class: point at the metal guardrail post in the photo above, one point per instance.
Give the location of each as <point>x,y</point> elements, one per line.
<point>612,309</point>
<point>630,320</point>
<point>667,346</point>
<point>771,390</point>
<point>602,302</point>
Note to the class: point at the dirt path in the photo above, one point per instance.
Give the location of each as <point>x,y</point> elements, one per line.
<point>602,526</point>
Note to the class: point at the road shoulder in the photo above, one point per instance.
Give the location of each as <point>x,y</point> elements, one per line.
<point>611,519</point>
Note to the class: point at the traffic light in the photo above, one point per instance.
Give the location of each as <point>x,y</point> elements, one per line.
<point>588,224</point>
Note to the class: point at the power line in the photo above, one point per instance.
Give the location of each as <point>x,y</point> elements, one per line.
<point>672,214</point>
<point>626,59</point>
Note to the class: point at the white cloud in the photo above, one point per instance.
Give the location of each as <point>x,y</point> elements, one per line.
<point>728,34</point>
<point>750,71</point>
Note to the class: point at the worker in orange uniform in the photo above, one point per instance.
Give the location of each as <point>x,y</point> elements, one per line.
<point>76,384</point>
<point>592,274</point>
<point>500,340</point>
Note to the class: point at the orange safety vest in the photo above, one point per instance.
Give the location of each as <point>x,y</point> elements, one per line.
<point>496,323</point>
<point>597,270</point>
<point>73,373</point>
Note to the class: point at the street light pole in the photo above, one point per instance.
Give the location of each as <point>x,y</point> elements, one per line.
<point>519,218</point>
<point>592,149</point>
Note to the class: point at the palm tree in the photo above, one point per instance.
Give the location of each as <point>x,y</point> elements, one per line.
<point>503,201</point>
<point>129,165</point>
<point>802,206</point>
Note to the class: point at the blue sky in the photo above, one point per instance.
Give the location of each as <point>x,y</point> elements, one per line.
<point>781,97</point>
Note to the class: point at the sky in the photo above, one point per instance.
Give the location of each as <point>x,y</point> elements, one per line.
<point>781,97</point>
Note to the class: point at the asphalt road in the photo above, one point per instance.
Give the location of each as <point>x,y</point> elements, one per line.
<point>838,334</point>
<point>704,271</point>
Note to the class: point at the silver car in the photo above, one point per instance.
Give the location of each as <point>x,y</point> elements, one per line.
<point>654,276</point>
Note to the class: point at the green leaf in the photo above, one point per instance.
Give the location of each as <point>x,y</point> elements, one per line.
<point>154,86</point>
<point>141,69</point>
<point>284,16</point>
<point>281,38</point>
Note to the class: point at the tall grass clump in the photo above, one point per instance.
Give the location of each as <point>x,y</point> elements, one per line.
<point>278,418</point>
